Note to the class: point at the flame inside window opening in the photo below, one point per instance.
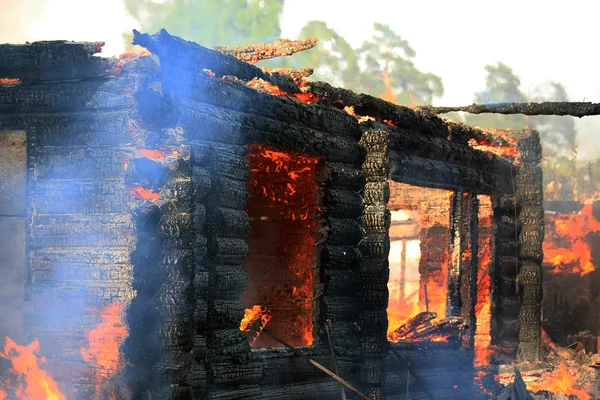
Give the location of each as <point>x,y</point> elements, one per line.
<point>418,258</point>
<point>282,207</point>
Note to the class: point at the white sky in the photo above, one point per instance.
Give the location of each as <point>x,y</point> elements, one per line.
<point>540,40</point>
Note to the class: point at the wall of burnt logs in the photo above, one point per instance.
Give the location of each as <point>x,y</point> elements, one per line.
<point>137,194</point>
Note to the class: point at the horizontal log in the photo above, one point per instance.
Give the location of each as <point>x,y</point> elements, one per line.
<point>341,308</point>
<point>53,60</point>
<point>340,282</point>
<point>207,122</point>
<point>345,176</point>
<point>228,344</point>
<point>375,245</point>
<point>227,193</point>
<point>227,374</point>
<point>238,97</point>
<point>62,231</point>
<point>340,257</point>
<point>227,250</point>
<point>344,232</point>
<point>57,196</point>
<point>574,109</point>
<point>343,203</point>
<point>229,222</point>
<point>81,162</point>
<point>366,105</point>
<point>562,206</point>
<point>406,168</point>
<point>103,94</point>
<point>315,389</point>
<point>242,392</point>
<point>376,166</point>
<point>225,313</point>
<point>230,165</point>
<point>227,281</point>
<point>442,149</point>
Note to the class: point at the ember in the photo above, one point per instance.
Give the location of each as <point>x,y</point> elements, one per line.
<point>565,246</point>
<point>144,194</point>
<point>282,209</point>
<point>31,381</point>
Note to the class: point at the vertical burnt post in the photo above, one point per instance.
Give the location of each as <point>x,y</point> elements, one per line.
<point>529,197</point>
<point>455,269</point>
<point>375,265</point>
<point>471,265</point>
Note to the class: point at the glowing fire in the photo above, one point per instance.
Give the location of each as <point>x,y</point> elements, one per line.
<point>251,316</point>
<point>32,382</point>
<point>103,344</point>
<point>10,80</point>
<point>144,194</point>
<point>282,205</point>
<point>266,87</point>
<point>565,246</point>
<point>560,382</point>
<point>489,147</point>
<point>483,305</point>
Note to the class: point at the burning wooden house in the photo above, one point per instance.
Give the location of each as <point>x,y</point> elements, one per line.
<point>192,226</point>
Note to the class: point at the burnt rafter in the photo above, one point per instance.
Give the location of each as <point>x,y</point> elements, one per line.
<point>253,53</point>
<point>574,109</point>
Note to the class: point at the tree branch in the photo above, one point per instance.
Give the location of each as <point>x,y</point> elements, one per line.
<point>262,51</point>
<point>575,109</point>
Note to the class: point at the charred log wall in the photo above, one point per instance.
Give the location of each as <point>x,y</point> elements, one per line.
<point>226,115</point>
<point>75,109</point>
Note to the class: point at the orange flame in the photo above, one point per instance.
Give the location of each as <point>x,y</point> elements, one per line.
<point>145,194</point>
<point>560,381</point>
<point>32,382</point>
<point>103,343</point>
<point>266,87</point>
<point>153,154</point>
<point>9,80</point>
<point>565,247</point>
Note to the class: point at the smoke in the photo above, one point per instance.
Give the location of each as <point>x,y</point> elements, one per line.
<point>90,20</point>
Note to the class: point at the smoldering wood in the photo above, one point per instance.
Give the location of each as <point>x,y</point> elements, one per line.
<point>295,74</point>
<point>442,149</point>
<point>574,109</point>
<point>227,281</point>
<point>235,96</point>
<point>263,51</point>
<point>563,206</point>
<point>340,308</point>
<point>417,171</point>
<point>229,222</point>
<point>202,121</point>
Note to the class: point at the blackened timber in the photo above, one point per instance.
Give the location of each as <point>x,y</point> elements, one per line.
<point>262,51</point>
<point>472,267</point>
<point>442,149</point>
<point>103,128</point>
<point>227,281</point>
<point>104,94</point>
<point>344,232</point>
<point>417,171</point>
<point>53,60</point>
<point>343,203</point>
<point>456,268</point>
<point>574,109</point>
<point>341,282</point>
<point>400,116</point>
<point>187,56</point>
<point>341,257</point>
<point>229,222</point>
<point>206,122</point>
<point>237,97</point>
<point>341,308</point>
<point>345,176</point>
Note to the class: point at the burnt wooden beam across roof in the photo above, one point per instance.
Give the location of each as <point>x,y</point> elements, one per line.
<point>58,59</point>
<point>263,51</point>
<point>574,109</point>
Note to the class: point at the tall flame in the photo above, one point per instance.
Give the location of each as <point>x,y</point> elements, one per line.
<point>32,382</point>
<point>565,246</point>
<point>104,340</point>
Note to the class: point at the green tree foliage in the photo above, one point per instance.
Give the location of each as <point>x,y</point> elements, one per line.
<point>389,72</point>
<point>333,58</point>
<point>211,23</point>
<point>564,178</point>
